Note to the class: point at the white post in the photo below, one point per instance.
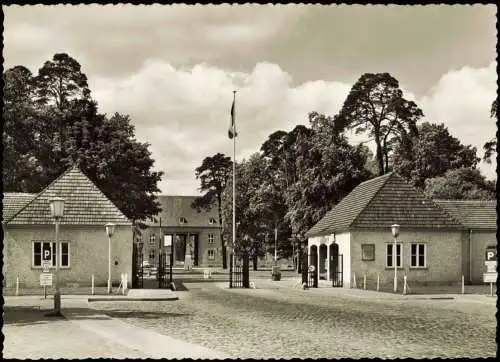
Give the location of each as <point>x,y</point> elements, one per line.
<point>491,289</point>
<point>463,285</point>
<point>395,259</point>
<point>233,123</point>
<point>93,285</point>
<point>404,285</point>
<point>328,256</point>
<point>354,283</point>
<point>17,284</point>
<point>125,284</point>
<point>109,264</point>
<point>378,282</point>
<point>275,243</point>
<point>364,281</point>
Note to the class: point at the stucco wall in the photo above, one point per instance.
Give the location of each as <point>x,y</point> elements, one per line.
<point>344,242</point>
<point>480,240</point>
<point>88,254</point>
<point>444,260</point>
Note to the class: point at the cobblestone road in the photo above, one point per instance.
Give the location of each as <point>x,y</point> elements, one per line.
<point>288,323</point>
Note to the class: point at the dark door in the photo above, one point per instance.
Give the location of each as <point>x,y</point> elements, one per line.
<point>196,248</point>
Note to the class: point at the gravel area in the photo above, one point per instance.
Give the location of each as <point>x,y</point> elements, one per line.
<point>288,323</point>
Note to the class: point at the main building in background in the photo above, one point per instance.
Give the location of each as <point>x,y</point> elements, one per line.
<point>195,236</point>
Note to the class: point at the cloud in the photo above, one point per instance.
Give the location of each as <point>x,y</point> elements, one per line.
<point>184,112</point>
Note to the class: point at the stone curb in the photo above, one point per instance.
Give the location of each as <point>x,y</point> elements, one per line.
<point>129,299</point>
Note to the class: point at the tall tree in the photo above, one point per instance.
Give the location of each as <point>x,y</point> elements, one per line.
<point>213,175</point>
<point>461,184</point>
<point>490,147</point>
<point>61,80</point>
<point>61,127</point>
<point>375,106</point>
<point>431,154</point>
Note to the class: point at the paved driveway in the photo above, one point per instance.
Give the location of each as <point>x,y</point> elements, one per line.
<point>275,322</point>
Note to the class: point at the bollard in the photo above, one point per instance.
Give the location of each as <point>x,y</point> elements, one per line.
<point>378,282</point>
<point>463,285</point>
<point>354,283</point>
<point>364,282</point>
<point>404,285</point>
<point>125,280</point>
<point>17,284</point>
<point>491,289</point>
<point>93,289</point>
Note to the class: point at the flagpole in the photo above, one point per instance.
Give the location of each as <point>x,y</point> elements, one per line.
<point>234,180</point>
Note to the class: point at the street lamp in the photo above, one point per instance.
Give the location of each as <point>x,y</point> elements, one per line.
<point>57,212</point>
<point>110,229</point>
<point>395,234</point>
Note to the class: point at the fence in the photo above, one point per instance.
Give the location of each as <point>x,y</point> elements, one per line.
<point>405,285</point>
<point>88,287</point>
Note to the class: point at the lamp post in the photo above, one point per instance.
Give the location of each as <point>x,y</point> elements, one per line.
<point>57,212</point>
<point>395,234</point>
<point>110,229</point>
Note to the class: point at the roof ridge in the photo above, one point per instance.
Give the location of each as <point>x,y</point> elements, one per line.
<point>468,201</point>
<point>387,177</point>
<point>37,195</point>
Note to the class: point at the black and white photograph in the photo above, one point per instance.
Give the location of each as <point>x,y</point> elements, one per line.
<point>249,181</point>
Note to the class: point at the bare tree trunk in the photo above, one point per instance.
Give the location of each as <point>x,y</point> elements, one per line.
<point>380,156</point>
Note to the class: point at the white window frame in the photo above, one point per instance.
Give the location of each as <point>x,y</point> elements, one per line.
<point>211,238</point>
<point>152,239</point>
<point>212,221</point>
<point>400,265</point>
<point>182,220</point>
<point>211,251</point>
<point>52,242</point>
<point>418,266</point>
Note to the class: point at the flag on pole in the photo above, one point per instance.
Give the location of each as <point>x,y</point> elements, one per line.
<point>232,126</point>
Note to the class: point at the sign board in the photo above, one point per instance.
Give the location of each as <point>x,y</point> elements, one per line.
<point>312,268</point>
<point>491,253</point>
<point>490,277</point>
<point>46,265</point>
<point>46,279</point>
<point>167,240</point>
<point>46,251</point>
<point>491,266</point>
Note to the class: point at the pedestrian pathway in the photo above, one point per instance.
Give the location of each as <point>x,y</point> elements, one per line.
<point>84,333</point>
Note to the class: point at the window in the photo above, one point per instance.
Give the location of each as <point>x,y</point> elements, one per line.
<point>211,238</point>
<point>368,252</point>
<point>151,254</point>
<point>211,254</point>
<point>152,239</point>
<point>64,255</point>
<point>418,256</point>
<point>212,221</point>
<point>390,255</point>
<point>182,220</point>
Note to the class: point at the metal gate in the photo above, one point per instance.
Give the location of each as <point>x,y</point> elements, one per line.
<point>337,274</point>
<point>239,272</point>
<point>138,272</point>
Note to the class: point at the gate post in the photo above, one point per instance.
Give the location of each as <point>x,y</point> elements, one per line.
<point>231,270</point>
<point>246,263</point>
<point>304,268</point>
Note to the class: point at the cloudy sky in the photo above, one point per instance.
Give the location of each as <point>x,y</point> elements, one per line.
<point>173,68</point>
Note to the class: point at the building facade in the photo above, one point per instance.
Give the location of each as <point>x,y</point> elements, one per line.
<point>439,241</point>
<point>194,236</point>
<point>29,228</point>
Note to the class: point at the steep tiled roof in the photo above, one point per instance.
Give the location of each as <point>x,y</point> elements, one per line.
<point>84,203</point>
<point>473,214</point>
<point>379,203</point>
<point>175,207</point>
<point>13,201</point>
<point>344,213</point>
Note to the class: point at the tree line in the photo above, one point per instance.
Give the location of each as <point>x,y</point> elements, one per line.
<point>298,176</point>
<point>51,122</point>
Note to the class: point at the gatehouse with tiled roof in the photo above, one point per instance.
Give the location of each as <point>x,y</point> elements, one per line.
<point>28,227</point>
<point>439,241</point>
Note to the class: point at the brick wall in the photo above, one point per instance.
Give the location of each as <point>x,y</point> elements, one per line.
<point>88,254</point>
